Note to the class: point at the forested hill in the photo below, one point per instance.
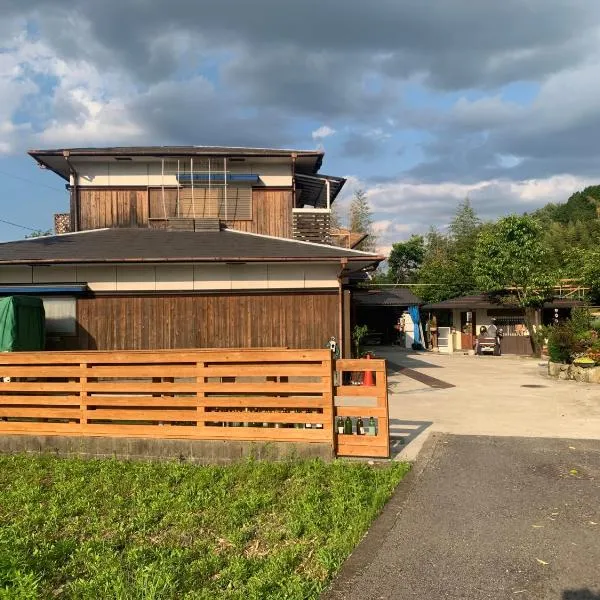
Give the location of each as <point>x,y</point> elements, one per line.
<point>571,226</point>
<point>581,206</point>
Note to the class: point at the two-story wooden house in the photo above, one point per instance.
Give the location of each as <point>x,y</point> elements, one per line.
<point>181,247</point>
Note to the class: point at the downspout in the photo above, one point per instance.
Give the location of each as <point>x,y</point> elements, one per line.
<point>294,155</point>
<point>292,216</point>
<point>74,190</point>
<point>328,187</point>
<point>343,263</point>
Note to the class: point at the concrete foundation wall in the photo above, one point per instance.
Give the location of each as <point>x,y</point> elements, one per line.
<point>193,451</point>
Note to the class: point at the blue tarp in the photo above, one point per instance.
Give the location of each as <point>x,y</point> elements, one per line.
<point>218,177</point>
<point>413,311</point>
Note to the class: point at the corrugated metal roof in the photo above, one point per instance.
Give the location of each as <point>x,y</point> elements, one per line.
<point>154,245</point>
<point>313,189</point>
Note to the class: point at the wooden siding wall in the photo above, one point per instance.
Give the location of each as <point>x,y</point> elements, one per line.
<point>271,213</point>
<point>293,320</point>
<point>112,207</point>
<point>157,208</point>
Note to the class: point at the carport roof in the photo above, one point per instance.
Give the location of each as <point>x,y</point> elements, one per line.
<point>392,297</point>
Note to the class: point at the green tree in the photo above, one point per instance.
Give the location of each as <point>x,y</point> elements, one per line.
<point>464,229</point>
<point>585,266</point>
<point>405,260</point>
<point>447,267</point>
<point>335,220</point>
<point>465,224</point>
<point>361,220</point>
<point>38,233</point>
<point>511,255</point>
<point>436,278</point>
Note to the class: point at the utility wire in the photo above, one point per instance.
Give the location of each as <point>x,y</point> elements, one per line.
<point>30,181</point>
<point>17,225</point>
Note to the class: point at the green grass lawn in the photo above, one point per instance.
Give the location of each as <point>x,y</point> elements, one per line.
<point>107,529</point>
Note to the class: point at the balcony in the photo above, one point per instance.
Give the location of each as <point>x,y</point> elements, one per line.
<point>312,225</point>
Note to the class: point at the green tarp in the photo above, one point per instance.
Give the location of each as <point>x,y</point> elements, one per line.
<point>21,323</point>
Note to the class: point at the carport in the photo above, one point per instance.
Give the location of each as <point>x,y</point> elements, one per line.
<point>379,309</point>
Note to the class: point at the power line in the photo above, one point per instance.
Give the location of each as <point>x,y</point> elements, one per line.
<point>17,225</point>
<point>30,181</point>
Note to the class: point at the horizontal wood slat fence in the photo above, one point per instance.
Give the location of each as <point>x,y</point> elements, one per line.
<point>218,394</point>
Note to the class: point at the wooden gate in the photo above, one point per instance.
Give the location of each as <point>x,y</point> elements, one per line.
<point>364,401</point>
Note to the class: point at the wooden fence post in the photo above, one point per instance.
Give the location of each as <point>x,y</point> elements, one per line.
<point>83,395</point>
<point>200,398</point>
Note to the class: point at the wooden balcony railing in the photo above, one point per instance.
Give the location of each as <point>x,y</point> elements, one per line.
<point>312,225</point>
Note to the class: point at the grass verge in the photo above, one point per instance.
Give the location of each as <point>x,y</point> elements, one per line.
<point>97,529</point>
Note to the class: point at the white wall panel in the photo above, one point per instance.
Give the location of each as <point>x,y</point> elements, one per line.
<point>174,277</point>
<point>136,278</point>
<point>211,277</point>
<point>16,274</point>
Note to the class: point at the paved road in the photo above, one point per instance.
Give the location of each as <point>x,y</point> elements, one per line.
<point>486,518</point>
<point>490,396</point>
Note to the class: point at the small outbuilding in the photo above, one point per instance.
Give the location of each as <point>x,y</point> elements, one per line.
<point>466,315</point>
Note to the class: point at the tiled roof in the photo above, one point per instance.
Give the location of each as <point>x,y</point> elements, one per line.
<point>154,245</point>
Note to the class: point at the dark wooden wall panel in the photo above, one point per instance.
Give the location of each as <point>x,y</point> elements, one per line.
<point>295,320</point>
<point>112,207</point>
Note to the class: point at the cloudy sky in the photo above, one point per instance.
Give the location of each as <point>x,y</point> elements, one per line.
<point>419,103</point>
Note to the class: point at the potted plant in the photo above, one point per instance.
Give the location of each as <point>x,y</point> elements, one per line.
<point>358,335</point>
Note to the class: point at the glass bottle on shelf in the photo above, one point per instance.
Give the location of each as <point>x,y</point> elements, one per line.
<point>360,426</point>
<point>372,428</point>
<point>348,426</point>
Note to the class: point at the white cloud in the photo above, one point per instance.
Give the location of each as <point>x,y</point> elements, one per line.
<point>380,227</point>
<point>403,208</point>
<point>322,132</point>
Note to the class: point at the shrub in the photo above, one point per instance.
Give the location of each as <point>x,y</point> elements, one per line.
<point>540,335</point>
<point>595,325</point>
<point>581,322</point>
<point>359,333</point>
<point>561,342</point>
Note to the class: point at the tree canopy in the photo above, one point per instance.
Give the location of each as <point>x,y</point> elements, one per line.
<point>447,267</point>
<point>405,260</point>
<point>524,253</point>
<point>511,255</point>
<point>361,220</point>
